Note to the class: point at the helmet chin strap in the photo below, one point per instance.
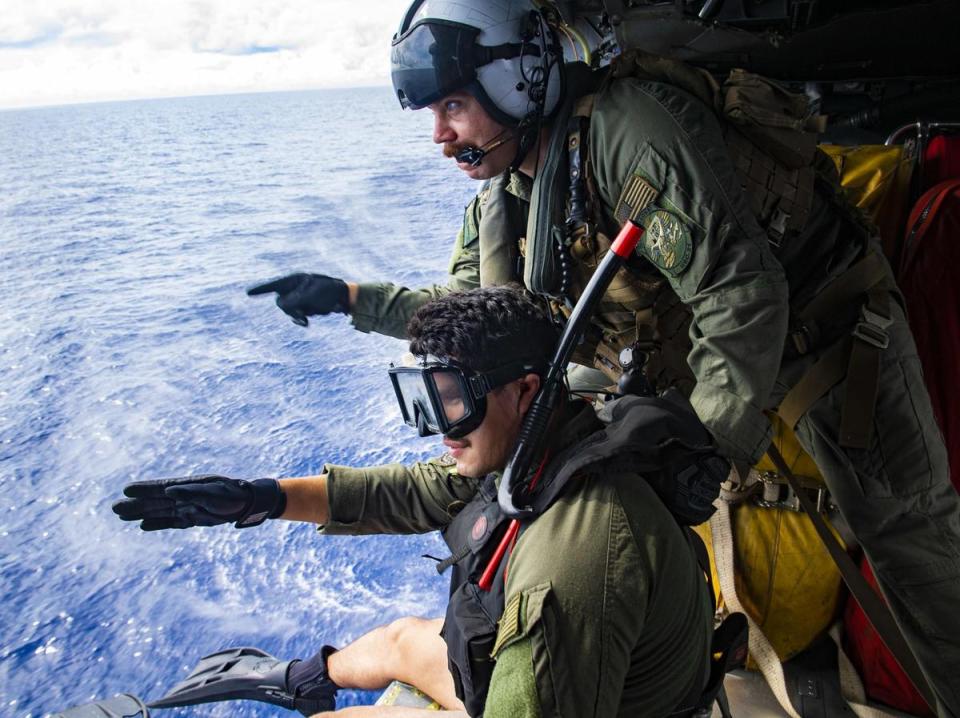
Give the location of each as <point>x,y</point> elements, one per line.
<point>473,156</point>
<point>528,134</point>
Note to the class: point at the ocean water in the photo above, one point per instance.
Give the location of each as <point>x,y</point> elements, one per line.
<point>128,351</point>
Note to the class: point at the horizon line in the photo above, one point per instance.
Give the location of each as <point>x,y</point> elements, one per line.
<point>199,94</point>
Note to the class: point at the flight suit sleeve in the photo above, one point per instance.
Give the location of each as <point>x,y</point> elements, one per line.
<point>386,308</point>
<point>648,137</point>
<point>395,499</point>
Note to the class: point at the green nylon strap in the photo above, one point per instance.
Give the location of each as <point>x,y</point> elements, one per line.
<point>856,357</point>
<point>873,606</point>
<point>863,373</point>
<point>817,381</point>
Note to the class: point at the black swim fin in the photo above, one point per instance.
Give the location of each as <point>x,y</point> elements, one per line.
<point>251,674</point>
<point>121,706</point>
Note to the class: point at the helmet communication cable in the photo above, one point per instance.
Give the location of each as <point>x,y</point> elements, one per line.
<point>530,128</point>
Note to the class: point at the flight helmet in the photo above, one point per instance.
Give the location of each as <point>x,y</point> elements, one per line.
<point>500,51</point>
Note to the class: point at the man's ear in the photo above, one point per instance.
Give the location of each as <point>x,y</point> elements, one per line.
<point>529,385</point>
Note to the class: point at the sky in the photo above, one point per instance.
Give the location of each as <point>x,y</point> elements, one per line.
<point>55,52</point>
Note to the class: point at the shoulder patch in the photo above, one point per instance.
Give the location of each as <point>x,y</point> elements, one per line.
<point>638,194</point>
<point>667,241</point>
<point>509,627</point>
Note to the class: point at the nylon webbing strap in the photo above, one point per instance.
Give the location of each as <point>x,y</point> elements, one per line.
<point>856,357</point>
<point>873,606</point>
<point>863,374</point>
<point>851,687</point>
<point>816,382</point>
<point>455,558</point>
<point>758,644</point>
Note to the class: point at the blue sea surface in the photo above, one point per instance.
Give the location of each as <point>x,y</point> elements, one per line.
<point>129,351</point>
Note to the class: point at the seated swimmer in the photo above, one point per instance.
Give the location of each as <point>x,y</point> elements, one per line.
<point>597,606</point>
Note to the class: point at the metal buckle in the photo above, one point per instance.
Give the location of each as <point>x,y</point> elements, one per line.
<point>802,340</point>
<point>872,328</point>
<point>777,227</point>
<point>776,494</point>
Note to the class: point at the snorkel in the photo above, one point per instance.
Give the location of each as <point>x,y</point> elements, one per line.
<point>528,451</point>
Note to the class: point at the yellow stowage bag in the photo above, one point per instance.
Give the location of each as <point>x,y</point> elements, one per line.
<point>876,178</point>
<point>785,579</point>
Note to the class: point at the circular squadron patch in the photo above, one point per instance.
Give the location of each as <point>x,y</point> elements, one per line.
<point>667,242</point>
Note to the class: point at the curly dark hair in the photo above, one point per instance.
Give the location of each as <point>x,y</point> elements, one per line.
<point>484,328</point>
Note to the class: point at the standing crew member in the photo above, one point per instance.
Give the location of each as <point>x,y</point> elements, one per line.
<point>756,288</point>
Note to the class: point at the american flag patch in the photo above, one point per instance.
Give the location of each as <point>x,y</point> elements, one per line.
<point>637,195</point>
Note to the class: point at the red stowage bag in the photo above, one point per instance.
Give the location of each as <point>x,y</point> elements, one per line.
<point>941,160</point>
<point>883,678</point>
<point>930,280</point>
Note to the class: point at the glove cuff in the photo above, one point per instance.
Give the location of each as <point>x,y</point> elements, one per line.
<point>269,502</point>
<point>343,298</point>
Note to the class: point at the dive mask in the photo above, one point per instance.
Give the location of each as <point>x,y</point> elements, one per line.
<point>448,398</point>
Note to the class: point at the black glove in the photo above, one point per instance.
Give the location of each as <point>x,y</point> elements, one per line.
<point>201,501</point>
<point>304,295</point>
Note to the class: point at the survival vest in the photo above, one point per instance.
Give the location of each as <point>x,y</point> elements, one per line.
<point>772,139</point>
<point>659,438</point>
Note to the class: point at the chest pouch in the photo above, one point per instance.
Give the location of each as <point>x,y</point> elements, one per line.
<point>470,632</point>
<point>470,625</point>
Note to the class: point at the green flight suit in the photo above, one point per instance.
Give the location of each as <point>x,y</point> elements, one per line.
<point>607,613</point>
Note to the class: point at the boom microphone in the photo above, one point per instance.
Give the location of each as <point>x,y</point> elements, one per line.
<point>473,156</point>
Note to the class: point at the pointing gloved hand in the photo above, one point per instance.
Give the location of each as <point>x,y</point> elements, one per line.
<point>201,501</point>
<point>303,295</point>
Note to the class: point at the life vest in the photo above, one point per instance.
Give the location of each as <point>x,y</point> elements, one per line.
<point>659,438</point>
<point>470,627</point>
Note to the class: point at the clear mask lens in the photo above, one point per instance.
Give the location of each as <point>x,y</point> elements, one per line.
<point>415,400</point>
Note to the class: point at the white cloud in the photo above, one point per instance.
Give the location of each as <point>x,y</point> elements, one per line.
<point>62,51</point>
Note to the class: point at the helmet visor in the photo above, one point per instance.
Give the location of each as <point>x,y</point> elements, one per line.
<point>431,60</point>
